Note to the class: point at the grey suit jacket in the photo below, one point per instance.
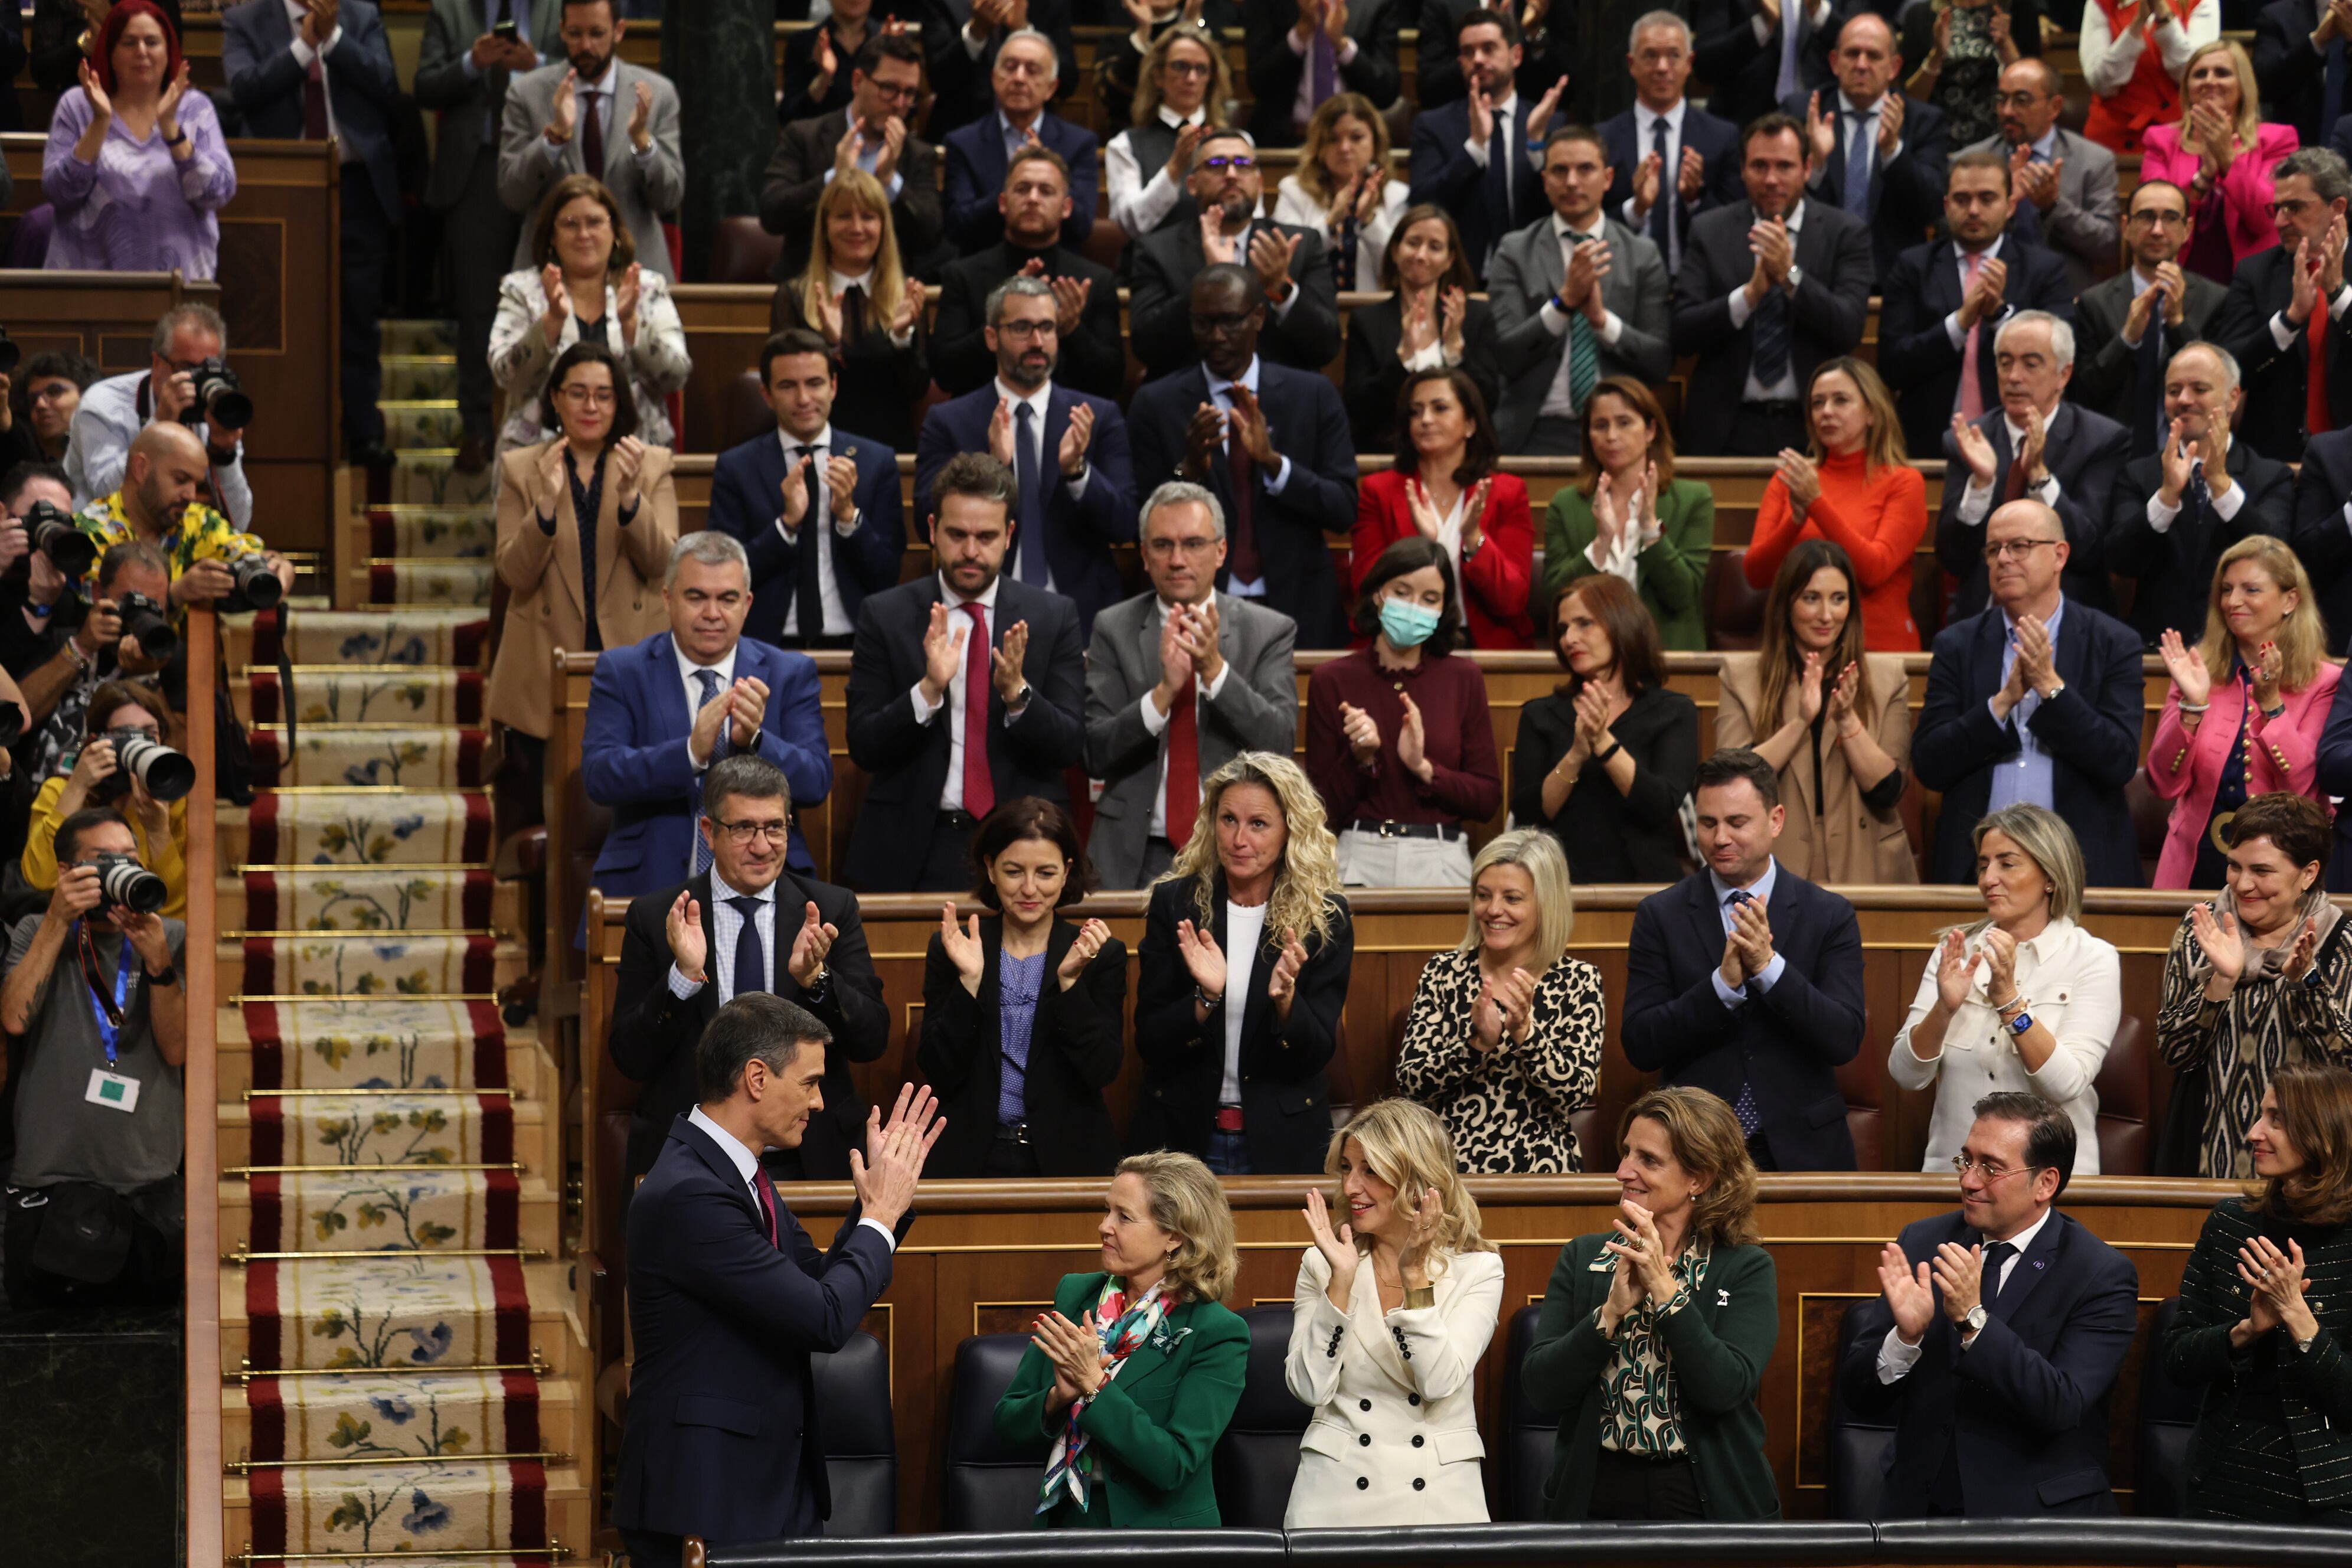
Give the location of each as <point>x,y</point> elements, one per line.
<point>1526,272</point>
<point>463,99</point>
<point>2085,223</point>
<point>645,187</point>
<point>1256,710</point>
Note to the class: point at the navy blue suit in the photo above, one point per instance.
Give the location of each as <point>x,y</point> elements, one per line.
<point>723,1440</point>
<point>2334,777</point>
<point>2090,731</point>
<point>1307,424</point>
<point>2321,537</point>
<point>634,755</point>
<point>2021,1415</point>
<point>1916,356</point>
<point>1786,1044</point>
<point>1717,142</point>
<point>1906,196</point>
<point>746,498</point>
<point>1444,172</point>
<point>1078,534</point>
<point>976,173</point>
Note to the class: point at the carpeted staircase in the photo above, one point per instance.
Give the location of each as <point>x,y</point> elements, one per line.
<point>398,1312</point>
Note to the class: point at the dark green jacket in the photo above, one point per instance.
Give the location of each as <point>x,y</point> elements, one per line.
<point>1153,1428</point>
<point>1668,574</point>
<point>1716,1346</point>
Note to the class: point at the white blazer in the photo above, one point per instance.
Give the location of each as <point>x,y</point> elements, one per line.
<point>1395,1435</point>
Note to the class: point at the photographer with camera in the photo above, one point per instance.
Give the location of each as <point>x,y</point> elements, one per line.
<point>188,384</point>
<point>52,383</point>
<point>40,596</point>
<point>124,766</point>
<point>127,631</point>
<point>98,1019</point>
<point>211,561</point>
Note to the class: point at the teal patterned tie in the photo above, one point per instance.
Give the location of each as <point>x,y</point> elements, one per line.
<point>1583,352</point>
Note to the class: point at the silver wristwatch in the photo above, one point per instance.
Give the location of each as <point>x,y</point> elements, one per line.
<point>1796,278</point>
<point>1977,1318</point>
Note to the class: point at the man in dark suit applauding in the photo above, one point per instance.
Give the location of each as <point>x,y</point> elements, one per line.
<point>1477,157</point>
<point>2322,535</point>
<point>1752,62</point>
<point>1746,980</point>
<point>1878,152</point>
<point>728,1296</point>
<point>1067,452</point>
<point>1999,1336</point>
<point>2036,700</point>
<point>1292,268</point>
<point>965,689</point>
<point>748,923</point>
<point>980,154</point>
<point>1270,442</point>
<point>2127,328</point>
<point>1669,160</point>
<point>873,133</point>
<point>1035,202</point>
<point>1769,287</point>
<point>2289,309</point>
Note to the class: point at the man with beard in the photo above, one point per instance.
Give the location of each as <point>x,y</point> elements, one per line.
<point>1037,201</point>
<point>1067,452</point>
<point>1478,158</point>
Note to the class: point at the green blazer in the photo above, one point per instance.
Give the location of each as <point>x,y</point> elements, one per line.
<point>1717,1346</point>
<point>1669,572</point>
<point>1153,1428</point>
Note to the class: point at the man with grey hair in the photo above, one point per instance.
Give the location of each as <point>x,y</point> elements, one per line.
<point>1067,452</point>
<point>115,410</point>
<point>1669,160</point>
<point>1036,198</point>
<point>1179,680</point>
<point>663,712</point>
<point>981,154</point>
<point>2204,490</point>
<point>2034,444</point>
<point>964,40</point>
<point>2289,309</point>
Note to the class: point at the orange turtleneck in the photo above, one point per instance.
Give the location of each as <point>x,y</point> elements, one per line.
<point>1877,519</point>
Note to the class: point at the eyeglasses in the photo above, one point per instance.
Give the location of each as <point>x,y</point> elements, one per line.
<point>1185,68</point>
<point>2017,549</point>
<point>1164,546</point>
<point>1986,1169</point>
<point>2021,100</point>
<point>599,223</point>
<point>2290,207</point>
<point>1020,331</point>
<point>1237,161</point>
<point>740,834</point>
<point>906,93</point>
<point>593,396</point>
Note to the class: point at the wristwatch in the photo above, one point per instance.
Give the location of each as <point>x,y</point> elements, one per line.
<point>171,976</point>
<point>1796,278</point>
<point>2055,688</point>
<point>2022,1022</point>
<point>1977,1318</point>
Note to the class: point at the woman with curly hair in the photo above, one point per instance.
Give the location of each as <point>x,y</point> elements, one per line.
<point>1504,1039</point>
<point>1246,947</point>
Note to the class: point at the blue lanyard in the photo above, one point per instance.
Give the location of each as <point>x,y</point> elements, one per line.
<point>109,1018</point>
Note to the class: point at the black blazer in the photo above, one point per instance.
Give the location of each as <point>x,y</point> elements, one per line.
<point>1786,1044</point>
<point>722,1438</point>
<point>2086,453</point>
<point>1158,270</point>
<point>1439,72</point>
<point>795,178</point>
<point>2293,77</point>
<point>1075,1049</point>
<point>1744,74</point>
<point>1916,356</point>
<point>2175,568</point>
<point>878,385</point>
<point>1275,69</point>
<point>1376,376</point>
<point>1717,142</point>
<point>2275,420</point>
<point>2320,536</point>
<point>1444,172</point>
<point>2106,368</point>
<point>1826,318</point>
<point>2090,731</point>
<point>961,87</point>
<point>655,1035</point>
<point>1906,196</point>
<point>1286,1100</point>
<point>907,760</point>
<point>1306,424</point>
<point>1093,358</point>
<point>1636,836</point>
<point>2027,1402</point>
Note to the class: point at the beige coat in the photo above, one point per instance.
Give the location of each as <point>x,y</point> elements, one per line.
<point>1836,839</point>
<point>542,576</point>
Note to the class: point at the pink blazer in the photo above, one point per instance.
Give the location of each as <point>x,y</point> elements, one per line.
<point>2245,190</point>
<point>2187,768</point>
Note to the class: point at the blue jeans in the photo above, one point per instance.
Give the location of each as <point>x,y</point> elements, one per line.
<point>1229,1153</point>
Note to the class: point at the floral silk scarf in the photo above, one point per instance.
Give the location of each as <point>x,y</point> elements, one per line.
<point>1123,1328</point>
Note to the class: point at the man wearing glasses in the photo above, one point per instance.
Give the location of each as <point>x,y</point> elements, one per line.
<point>2126,329</point>
<point>53,384</point>
<point>1998,1337</point>
<point>2036,699</point>
<point>874,133</point>
<point>2288,310</point>
<point>746,922</point>
<point>2065,182</point>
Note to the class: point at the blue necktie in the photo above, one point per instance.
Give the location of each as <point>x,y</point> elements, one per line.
<point>1029,499</point>
<point>1751,1118</point>
<point>1769,352</point>
<point>2331,105</point>
<point>699,861</point>
<point>1858,139</point>
<point>1792,27</point>
<point>750,960</point>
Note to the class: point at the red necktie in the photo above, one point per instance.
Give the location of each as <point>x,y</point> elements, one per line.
<point>767,1195</point>
<point>1183,764</point>
<point>314,102</point>
<point>2316,411</point>
<point>1243,561</point>
<point>592,135</point>
<point>979,786</point>
<point>2014,486</point>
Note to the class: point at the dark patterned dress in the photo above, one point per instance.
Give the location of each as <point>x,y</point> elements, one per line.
<point>1508,1108</point>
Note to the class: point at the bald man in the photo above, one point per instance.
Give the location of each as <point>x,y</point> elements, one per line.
<point>1877,152</point>
<point>161,479</point>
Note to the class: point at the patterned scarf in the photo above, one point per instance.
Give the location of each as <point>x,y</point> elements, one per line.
<point>1123,1327</point>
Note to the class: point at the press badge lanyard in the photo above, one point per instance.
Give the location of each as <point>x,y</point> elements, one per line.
<point>108,1013</point>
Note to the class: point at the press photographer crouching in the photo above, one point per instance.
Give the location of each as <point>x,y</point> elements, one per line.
<point>124,629</point>
<point>187,386</point>
<point>123,767</point>
<point>98,1026</point>
<point>38,602</point>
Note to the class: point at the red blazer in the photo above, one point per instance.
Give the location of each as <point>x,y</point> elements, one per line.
<point>1494,583</point>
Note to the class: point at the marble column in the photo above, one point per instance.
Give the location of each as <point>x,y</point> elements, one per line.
<point>721,54</point>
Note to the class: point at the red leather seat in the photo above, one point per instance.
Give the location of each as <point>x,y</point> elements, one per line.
<point>743,252</point>
<point>1735,612</point>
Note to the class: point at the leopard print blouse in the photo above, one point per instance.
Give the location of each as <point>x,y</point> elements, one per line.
<point>1508,1109</point>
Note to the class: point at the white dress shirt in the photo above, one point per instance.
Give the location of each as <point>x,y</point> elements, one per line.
<point>2225,502</point>
<point>869,158</point>
<point>2109,61</point>
<point>1894,1357</point>
<point>723,668</point>
<point>1623,561</point>
<point>296,12</point>
<point>1048,463</point>
<point>952,791</point>
<point>724,923</point>
<point>1155,722</point>
<point>1645,137</point>
<point>1761,892</point>
<point>1976,501</point>
<point>1514,141</point>
<point>1557,401</point>
<point>747,1165</point>
<point>821,535</point>
<point>1847,108</point>
<point>1137,203</point>
<point>1785,389</point>
<point>1244,929</point>
<point>1817,18</point>
<point>98,452</point>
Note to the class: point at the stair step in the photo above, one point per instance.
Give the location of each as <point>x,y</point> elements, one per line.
<point>409,378</point>
<point>388,1209</point>
<point>408,426</point>
<point>463,584</point>
<point>301,1418</point>
<point>417,336</point>
<point>429,534</point>
<point>367,694</point>
<point>442,828</point>
<point>386,964</point>
<point>434,758</point>
<point>415,1507</point>
<point>410,638</point>
<point>418,1128</point>
<point>398,1059</point>
<point>329,898</point>
<point>430,478</point>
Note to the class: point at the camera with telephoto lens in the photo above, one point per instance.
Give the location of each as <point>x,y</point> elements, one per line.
<point>144,618</point>
<point>256,585</point>
<point>122,880</point>
<point>53,533</point>
<point>165,774</point>
<point>219,398</point>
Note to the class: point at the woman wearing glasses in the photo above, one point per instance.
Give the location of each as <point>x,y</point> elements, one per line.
<point>1184,86</point>
<point>2023,1000</point>
<point>2246,709</point>
<point>1022,1008</point>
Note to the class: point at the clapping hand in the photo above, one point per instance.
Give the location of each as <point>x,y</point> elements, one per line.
<point>1009,654</point>
<point>1249,423</point>
<point>1808,688</point>
<point>641,117</point>
<point>1890,125</point>
<point>1363,734</point>
<point>563,108</point>
<point>746,705</point>
<point>689,948</point>
<point>1203,958</point>
<point>1960,1270</point>
<point>2000,965</point>
<point>1955,969</point>
<point>1820,129</point>
<point>628,466</point>
<point>1752,928</point>
<point>1841,700</point>
<point>1337,1248</point>
<point>1539,117</point>
<point>1454,309</point>
<point>962,947</point>
<point>1976,450</point>
<point>1419,323</point>
<point>910,305</point>
<point>167,112</point>
<point>2268,667</point>
<point>1283,983</point>
<point>829,316</point>
<point>1648,175</point>
<point>817,935</point>
<point>1504,1009</point>
<point>942,654</point>
<point>2276,1288</point>
<point>1413,742</point>
<point>1072,453</point>
<point>2299,957</point>
<point>559,303</point>
<point>2219,938</point>
<point>1426,520</point>
<point>626,296</point>
<point>1800,479</point>
<point>1204,438</point>
<point>101,107</point>
<point>1637,1240</point>
<point>1077,1355</point>
<point>892,1162</point>
<point>2035,654</point>
<point>1910,1293</point>
<point>1090,939</point>
<point>2190,676</point>
<point>1473,512</point>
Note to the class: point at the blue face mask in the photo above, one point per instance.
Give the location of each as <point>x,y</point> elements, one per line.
<point>1405,623</point>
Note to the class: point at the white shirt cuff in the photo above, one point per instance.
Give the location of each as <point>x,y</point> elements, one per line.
<point>1771,976</point>
<point>1725,994</point>
<point>889,1237</point>
<point>924,711</point>
<point>1895,1358</point>
<point>2281,333</point>
<point>1431,358</point>
<point>1154,720</point>
<point>2225,507</point>
<point>680,986</point>
<point>1975,502</point>
<point>1211,690</point>
<point>1740,309</point>
<point>1954,331</point>
<point>2160,516</point>
<point>1477,150</point>
<point>1281,477</point>
<point>1613,327</point>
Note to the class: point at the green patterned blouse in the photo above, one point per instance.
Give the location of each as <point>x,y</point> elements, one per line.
<point>1639,1411</point>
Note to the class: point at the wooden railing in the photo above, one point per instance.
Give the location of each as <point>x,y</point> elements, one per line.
<point>200,1092</point>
